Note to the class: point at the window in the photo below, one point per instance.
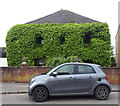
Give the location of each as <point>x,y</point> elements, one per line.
<point>62,39</point>
<point>84,69</point>
<point>2,52</point>
<point>87,38</point>
<point>66,69</point>
<point>87,61</point>
<point>39,40</point>
<point>39,62</point>
<point>101,68</point>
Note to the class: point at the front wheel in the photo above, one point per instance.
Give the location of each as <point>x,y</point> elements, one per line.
<point>102,92</point>
<point>40,94</point>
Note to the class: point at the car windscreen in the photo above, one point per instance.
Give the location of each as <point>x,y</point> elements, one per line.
<point>48,71</point>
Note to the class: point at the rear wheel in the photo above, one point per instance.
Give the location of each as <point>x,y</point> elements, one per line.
<point>40,94</point>
<point>102,92</point>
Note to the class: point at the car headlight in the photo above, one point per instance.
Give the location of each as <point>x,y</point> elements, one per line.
<point>32,80</point>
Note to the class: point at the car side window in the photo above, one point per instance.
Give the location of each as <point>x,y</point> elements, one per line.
<point>84,69</point>
<point>65,70</point>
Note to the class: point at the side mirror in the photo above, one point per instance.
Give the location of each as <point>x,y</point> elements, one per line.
<point>54,74</point>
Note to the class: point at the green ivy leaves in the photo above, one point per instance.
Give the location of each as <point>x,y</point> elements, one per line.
<point>60,40</point>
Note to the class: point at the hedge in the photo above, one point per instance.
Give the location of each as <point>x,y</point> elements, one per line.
<point>89,41</point>
<point>59,60</point>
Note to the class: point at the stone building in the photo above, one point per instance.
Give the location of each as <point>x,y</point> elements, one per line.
<point>117,47</point>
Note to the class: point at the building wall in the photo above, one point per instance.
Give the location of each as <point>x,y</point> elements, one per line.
<point>117,47</point>
<point>3,62</point>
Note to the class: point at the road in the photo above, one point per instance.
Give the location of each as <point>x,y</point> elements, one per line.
<point>25,99</point>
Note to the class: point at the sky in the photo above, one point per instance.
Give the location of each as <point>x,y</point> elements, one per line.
<point>14,12</point>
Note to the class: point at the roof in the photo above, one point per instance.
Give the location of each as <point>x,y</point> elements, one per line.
<point>63,16</point>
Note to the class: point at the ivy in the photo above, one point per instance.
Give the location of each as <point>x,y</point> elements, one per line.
<point>89,41</point>
<point>59,60</point>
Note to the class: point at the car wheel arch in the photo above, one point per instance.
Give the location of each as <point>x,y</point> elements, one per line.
<point>41,86</point>
<point>101,85</point>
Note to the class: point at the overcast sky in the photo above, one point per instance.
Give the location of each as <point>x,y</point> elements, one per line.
<point>14,12</point>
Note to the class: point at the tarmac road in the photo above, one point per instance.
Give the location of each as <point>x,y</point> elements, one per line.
<point>25,99</point>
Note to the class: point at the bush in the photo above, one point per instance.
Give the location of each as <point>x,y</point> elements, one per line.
<point>113,62</point>
<point>72,59</point>
<point>59,60</point>
<point>89,41</point>
<point>55,61</point>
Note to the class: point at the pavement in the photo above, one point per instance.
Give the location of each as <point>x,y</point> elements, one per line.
<point>23,88</point>
<point>71,100</point>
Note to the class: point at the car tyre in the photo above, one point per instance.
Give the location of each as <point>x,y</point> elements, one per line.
<point>102,92</point>
<point>40,94</point>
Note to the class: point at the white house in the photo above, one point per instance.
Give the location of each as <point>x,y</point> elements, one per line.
<point>3,59</point>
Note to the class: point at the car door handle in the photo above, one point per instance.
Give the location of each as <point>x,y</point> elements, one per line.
<point>69,78</point>
<point>90,76</point>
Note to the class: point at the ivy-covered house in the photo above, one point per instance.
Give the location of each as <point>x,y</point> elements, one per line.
<point>61,34</point>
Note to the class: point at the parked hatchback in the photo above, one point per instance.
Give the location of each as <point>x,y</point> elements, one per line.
<point>70,79</point>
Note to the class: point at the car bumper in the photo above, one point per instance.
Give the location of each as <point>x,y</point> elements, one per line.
<point>110,88</point>
<point>30,88</point>
<point>29,92</point>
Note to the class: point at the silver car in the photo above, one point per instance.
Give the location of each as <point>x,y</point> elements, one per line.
<point>70,79</point>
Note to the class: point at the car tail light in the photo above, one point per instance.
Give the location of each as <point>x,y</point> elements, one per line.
<point>106,77</point>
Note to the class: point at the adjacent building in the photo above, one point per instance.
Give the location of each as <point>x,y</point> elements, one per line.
<point>3,59</point>
<point>117,47</point>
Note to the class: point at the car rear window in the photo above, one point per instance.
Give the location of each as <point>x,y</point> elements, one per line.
<point>101,68</point>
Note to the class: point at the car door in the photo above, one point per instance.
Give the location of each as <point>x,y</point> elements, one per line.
<point>85,78</point>
<point>64,81</point>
